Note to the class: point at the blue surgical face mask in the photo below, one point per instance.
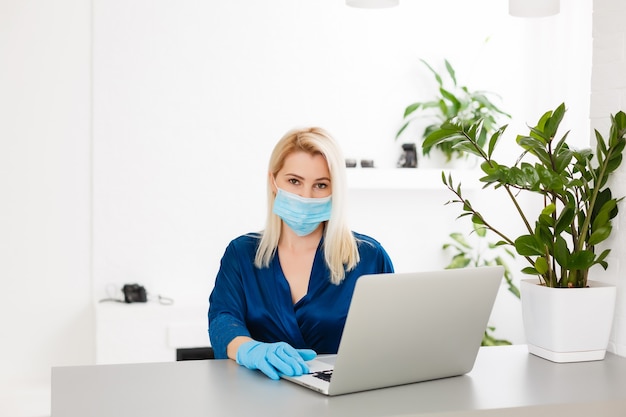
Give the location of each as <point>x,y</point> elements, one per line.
<point>303,215</point>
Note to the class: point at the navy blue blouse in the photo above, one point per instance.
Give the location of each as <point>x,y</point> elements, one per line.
<point>248,301</point>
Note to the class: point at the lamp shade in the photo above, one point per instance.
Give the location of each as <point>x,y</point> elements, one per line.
<point>372,4</point>
<point>534,8</point>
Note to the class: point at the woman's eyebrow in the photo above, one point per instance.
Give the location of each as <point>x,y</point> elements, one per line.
<point>289,174</point>
<point>302,178</point>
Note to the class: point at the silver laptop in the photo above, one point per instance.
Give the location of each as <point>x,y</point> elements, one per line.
<point>408,327</point>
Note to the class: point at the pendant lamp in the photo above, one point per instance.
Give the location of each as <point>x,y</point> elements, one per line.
<point>372,4</point>
<point>534,8</point>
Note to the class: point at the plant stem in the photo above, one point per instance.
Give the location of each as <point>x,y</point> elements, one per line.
<point>507,239</point>
<point>518,208</point>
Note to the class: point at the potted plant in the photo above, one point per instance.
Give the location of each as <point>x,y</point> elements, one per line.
<point>454,101</point>
<point>560,243</point>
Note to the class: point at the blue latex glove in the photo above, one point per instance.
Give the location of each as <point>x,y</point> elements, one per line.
<point>274,359</point>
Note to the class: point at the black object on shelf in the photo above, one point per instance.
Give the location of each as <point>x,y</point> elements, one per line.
<point>134,293</point>
<point>408,159</point>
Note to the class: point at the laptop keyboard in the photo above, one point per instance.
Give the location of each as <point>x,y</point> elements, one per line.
<point>324,375</point>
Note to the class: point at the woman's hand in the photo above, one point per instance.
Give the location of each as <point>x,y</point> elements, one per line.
<point>274,359</point>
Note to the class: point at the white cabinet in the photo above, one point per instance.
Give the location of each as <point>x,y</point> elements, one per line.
<point>148,332</point>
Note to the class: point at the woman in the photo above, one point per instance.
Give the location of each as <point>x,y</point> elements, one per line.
<point>283,294</point>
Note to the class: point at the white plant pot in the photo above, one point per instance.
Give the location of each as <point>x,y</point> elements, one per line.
<point>568,324</point>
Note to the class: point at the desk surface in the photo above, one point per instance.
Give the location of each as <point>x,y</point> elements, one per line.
<point>505,381</point>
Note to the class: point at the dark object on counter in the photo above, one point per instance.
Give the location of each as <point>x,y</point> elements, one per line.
<point>408,159</point>
<point>134,293</point>
<point>350,163</point>
<point>367,163</point>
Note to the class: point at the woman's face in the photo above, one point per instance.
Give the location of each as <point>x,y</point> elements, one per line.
<point>305,175</point>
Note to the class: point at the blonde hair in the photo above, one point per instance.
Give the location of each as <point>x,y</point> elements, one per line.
<point>340,247</point>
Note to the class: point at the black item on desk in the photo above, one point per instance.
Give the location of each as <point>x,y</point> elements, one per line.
<point>194,354</point>
<point>367,163</point>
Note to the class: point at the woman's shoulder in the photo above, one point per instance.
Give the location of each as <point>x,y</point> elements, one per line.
<point>367,240</point>
<point>373,256</point>
<point>249,241</point>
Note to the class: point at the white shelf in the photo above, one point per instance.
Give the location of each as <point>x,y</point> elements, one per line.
<point>409,178</point>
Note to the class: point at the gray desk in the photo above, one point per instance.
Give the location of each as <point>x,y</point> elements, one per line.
<point>506,381</point>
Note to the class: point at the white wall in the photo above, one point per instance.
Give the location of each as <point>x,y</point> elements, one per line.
<point>187,100</point>
<point>45,185</point>
<point>608,96</point>
<point>183,130</point>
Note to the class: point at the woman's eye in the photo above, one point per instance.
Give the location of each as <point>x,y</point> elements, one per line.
<point>322,186</point>
<point>293,181</point>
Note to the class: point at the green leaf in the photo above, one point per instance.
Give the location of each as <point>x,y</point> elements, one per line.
<point>545,220</point>
<point>480,231</point>
<point>530,143</point>
<point>541,265</point>
<point>442,135</point>
<point>402,129</point>
<point>494,140</point>
<point>600,259</point>
<point>543,234</point>
<point>411,108</point>
<point>456,103</point>
<point>604,214</point>
<point>552,124</point>
<point>600,143</point>
<point>565,220</point>
<point>467,147</point>
<point>541,126</point>
<point>528,245</point>
<point>459,261</point>
<point>581,260</point>
<point>477,220</point>
<point>443,178</point>
<point>549,209</point>
<point>435,73</point>
<point>600,234</point>
<point>459,238</point>
<point>614,163</point>
<point>563,159</point>
<point>530,271</point>
<point>602,199</point>
<point>561,252</point>
<point>450,71</point>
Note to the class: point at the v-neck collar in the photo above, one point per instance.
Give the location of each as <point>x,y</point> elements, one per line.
<point>281,279</point>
